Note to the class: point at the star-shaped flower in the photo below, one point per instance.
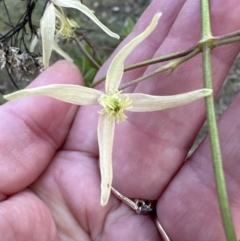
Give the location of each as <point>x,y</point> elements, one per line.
<point>114,104</point>
<point>65,27</point>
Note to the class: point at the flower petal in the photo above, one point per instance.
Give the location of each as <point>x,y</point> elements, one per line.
<point>74,94</point>
<point>47,32</point>
<point>116,68</point>
<point>61,52</point>
<point>33,43</point>
<point>84,9</point>
<point>142,102</point>
<point>106,126</point>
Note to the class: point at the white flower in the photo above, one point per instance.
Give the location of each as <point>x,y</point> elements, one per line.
<point>114,104</point>
<point>66,26</point>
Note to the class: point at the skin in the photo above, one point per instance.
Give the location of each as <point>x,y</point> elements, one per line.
<point>49,174</point>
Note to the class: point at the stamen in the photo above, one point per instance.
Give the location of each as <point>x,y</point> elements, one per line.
<point>114,104</point>
<point>66,26</point>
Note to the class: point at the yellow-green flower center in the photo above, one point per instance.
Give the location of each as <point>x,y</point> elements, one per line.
<point>65,27</point>
<point>114,104</point>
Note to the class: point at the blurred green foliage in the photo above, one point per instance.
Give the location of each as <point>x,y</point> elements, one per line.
<point>127,27</point>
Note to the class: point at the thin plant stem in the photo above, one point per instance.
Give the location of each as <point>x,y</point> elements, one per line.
<point>152,61</point>
<point>212,126</point>
<point>86,54</point>
<point>205,17</point>
<point>161,59</point>
<point>44,7</point>
<point>215,148</point>
<point>170,66</point>
<point>230,35</point>
<point>224,41</point>
<point>11,78</point>
<point>215,41</point>
<point>8,15</point>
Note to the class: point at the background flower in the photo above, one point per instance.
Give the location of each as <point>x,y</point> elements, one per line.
<point>67,26</point>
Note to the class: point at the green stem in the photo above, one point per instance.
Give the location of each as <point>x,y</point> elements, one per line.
<point>215,41</point>
<point>224,41</point>
<point>215,148</point>
<point>206,23</point>
<point>152,61</point>
<point>44,7</point>
<point>86,54</point>
<point>230,35</point>
<point>170,66</point>
<point>160,59</point>
<point>212,126</point>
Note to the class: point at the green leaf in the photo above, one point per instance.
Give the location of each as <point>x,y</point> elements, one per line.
<point>127,27</point>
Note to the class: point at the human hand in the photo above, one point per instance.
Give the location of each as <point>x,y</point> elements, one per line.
<point>50,182</point>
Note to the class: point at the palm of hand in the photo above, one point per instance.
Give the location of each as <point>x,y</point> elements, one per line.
<point>51,148</point>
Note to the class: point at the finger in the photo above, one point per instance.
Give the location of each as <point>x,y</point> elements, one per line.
<point>156,143</point>
<point>24,216</point>
<point>71,190</point>
<point>83,133</point>
<point>190,205</point>
<point>148,48</point>
<point>150,148</point>
<point>32,129</point>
